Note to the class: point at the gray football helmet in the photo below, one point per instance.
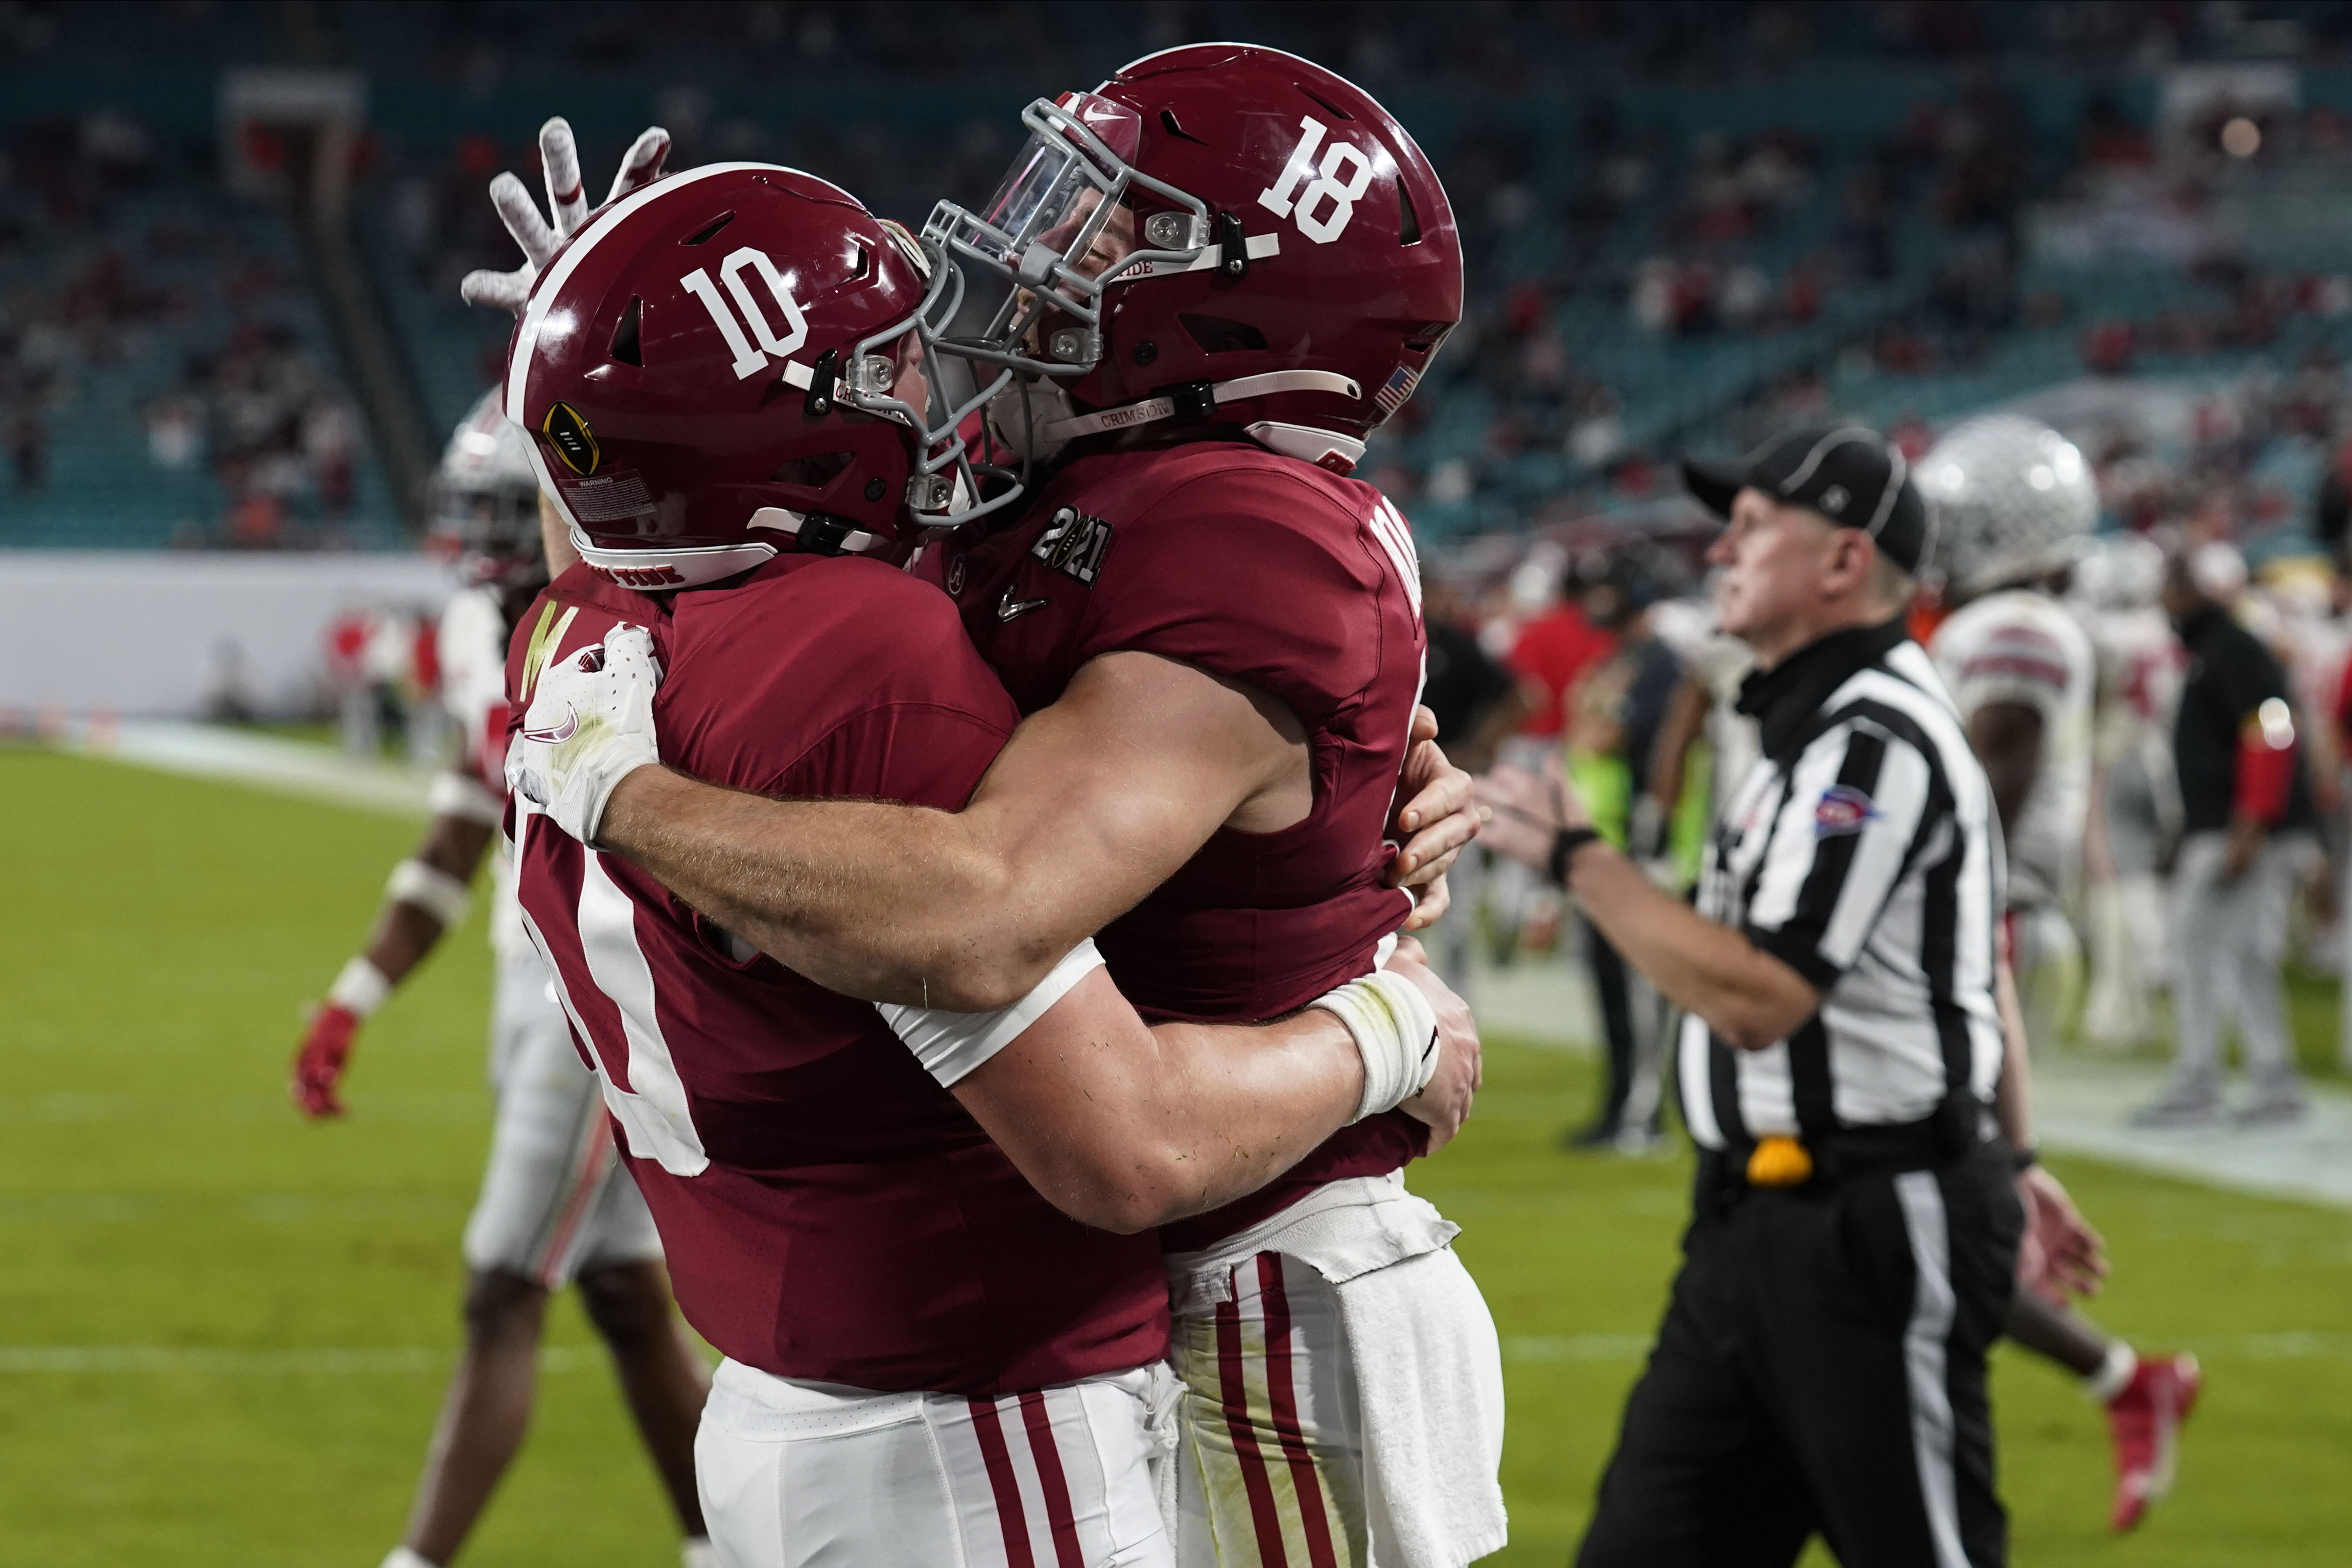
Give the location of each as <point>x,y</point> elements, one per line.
<point>2013,500</point>
<point>486,497</point>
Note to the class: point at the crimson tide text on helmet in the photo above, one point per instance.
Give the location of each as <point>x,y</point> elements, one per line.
<point>1218,232</point>
<point>486,497</point>
<point>706,372</point>
<point>2013,501</point>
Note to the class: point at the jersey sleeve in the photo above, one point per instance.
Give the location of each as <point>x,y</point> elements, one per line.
<point>1255,575</point>
<point>1858,799</point>
<point>2015,661</point>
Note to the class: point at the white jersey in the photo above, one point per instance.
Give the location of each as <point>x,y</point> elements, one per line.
<point>472,644</point>
<point>2024,647</point>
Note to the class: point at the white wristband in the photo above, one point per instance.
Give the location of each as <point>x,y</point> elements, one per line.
<point>468,800</point>
<point>950,1045</point>
<point>360,989</point>
<point>1395,1030</point>
<point>432,890</point>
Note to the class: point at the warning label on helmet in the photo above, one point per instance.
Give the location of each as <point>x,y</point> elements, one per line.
<point>608,497</point>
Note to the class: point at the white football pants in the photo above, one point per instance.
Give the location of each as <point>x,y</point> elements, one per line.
<point>1301,1451</point>
<point>813,1475</point>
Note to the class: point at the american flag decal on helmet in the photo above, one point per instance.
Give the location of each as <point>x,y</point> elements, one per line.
<point>1399,387</point>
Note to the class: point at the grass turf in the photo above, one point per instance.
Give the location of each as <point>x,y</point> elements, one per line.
<point>157,1194</point>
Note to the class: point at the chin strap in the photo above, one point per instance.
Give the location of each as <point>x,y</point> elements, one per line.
<point>817,533</point>
<point>1198,400</point>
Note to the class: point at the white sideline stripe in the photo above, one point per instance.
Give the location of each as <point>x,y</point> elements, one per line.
<point>1925,1360</point>
<point>2292,1345</point>
<point>318,1363</point>
<point>282,766</point>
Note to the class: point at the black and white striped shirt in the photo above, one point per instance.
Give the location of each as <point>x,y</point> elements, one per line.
<point>1862,850</point>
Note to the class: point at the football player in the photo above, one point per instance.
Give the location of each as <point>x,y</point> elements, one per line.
<point>928,1360</point>
<point>1211,278</point>
<point>2015,507</point>
<point>552,1210</point>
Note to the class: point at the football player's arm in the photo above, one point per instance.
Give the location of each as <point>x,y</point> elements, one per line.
<point>1124,1127</point>
<point>426,895</point>
<point>1095,802</point>
<point>2007,737</point>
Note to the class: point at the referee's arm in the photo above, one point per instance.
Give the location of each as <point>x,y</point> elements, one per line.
<point>1748,998</point>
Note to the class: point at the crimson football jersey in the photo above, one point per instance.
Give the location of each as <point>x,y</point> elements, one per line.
<point>1269,571</point>
<point>829,1212</point>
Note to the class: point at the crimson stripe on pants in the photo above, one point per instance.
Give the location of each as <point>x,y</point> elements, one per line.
<point>1267,1523</point>
<point>1051,1481</point>
<point>1003,1483</point>
<point>1282,1398</point>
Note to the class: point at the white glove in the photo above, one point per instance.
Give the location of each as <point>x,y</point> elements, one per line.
<point>567,203</point>
<point>590,724</point>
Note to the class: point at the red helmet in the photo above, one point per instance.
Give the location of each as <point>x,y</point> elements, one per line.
<point>1218,232</point>
<point>705,370</point>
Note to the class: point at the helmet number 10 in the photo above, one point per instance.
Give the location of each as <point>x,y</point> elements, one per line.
<point>1340,194</point>
<point>750,361</point>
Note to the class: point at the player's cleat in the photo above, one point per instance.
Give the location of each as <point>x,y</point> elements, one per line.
<point>2144,1419</point>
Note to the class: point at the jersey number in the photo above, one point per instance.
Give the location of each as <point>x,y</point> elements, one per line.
<point>1341,195</point>
<point>750,361</point>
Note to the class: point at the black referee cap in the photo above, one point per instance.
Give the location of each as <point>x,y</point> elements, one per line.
<point>1854,478</point>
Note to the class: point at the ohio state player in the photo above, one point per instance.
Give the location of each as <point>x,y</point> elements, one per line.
<point>2016,505</point>
<point>886,1282</point>
<point>1218,272</point>
<point>551,1210</point>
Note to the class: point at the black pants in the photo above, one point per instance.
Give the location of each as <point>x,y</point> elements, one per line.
<point>1616,1024</point>
<point>1821,1369</point>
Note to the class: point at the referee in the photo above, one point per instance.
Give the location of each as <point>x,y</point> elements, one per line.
<point>1821,1368</point>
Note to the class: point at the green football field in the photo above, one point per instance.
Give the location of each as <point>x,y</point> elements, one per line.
<point>223,1333</point>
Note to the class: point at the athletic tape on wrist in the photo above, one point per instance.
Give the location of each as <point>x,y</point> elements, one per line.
<point>1395,1031</point>
<point>430,889</point>
<point>950,1045</point>
<point>455,795</point>
<point>360,989</point>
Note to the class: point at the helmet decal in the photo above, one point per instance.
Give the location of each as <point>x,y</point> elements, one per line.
<point>570,436</point>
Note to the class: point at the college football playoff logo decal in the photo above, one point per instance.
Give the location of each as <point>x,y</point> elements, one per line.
<point>569,435</point>
<point>1843,810</point>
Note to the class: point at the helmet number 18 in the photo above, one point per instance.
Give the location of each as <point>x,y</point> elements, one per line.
<point>1343,194</point>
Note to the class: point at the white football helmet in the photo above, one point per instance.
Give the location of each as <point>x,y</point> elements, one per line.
<point>486,496</point>
<point>2013,500</point>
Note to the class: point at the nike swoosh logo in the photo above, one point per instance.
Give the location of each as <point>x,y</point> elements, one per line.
<point>1011,609</point>
<point>556,734</point>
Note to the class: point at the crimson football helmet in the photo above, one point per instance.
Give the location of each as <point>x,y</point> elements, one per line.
<point>705,369</point>
<point>1218,232</point>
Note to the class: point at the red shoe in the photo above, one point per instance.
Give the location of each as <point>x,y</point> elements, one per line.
<point>2145,1420</point>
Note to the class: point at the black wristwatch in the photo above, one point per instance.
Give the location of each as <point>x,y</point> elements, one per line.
<point>1564,845</point>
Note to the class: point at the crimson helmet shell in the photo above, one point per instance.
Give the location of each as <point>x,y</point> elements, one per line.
<point>1351,266</point>
<point>703,370</point>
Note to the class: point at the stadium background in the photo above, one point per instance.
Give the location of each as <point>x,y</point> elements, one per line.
<point>230,343</point>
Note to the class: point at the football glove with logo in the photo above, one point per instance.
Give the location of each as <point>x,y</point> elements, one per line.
<point>567,205</point>
<point>589,725</point>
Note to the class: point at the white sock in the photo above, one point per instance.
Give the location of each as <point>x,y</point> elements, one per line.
<point>402,1557</point>
<point>2115,1374</point>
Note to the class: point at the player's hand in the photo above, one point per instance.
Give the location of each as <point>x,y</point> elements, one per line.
<point>1440,815</point>
<point>567,205</point>
<point>1529,811</point>
<point>2061,1252</point>
<point>319,1063</point>
<point>1430,903</point>
<point>590,724</point>
<point>1445,1101</point>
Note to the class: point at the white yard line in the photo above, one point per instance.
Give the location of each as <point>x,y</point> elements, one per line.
<point>265,762</point>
